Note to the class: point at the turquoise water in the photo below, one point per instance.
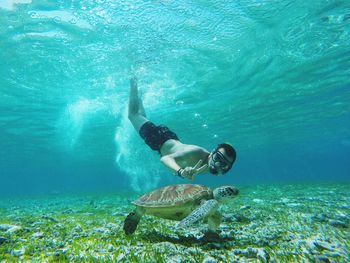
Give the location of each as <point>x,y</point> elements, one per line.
<point>271,77</point>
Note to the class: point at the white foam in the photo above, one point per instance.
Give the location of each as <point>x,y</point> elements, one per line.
<point>60,17</point>
<point>10,4</point>
<point>75,117</point>
<point>135,159</point>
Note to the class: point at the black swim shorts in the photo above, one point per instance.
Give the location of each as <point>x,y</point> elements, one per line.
<point>155,136</point>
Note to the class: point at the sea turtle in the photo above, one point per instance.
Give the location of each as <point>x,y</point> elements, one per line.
<point>187,203</point>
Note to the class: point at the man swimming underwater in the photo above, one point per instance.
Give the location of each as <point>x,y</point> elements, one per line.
<point>185,160</point>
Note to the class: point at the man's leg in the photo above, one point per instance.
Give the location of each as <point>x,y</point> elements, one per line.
<point>136,113</point>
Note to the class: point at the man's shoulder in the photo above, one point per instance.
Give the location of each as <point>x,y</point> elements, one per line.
<point>198,149</point>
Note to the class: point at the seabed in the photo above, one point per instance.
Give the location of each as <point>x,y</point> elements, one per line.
<point>272,223</point>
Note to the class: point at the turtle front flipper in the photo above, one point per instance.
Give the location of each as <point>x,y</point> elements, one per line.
<point>131,222</point>
<point>208,208</point>
<point>214,221</point>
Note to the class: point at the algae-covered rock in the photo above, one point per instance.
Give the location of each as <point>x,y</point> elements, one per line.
<point>5,227</point>
<point>322,259</point>
<point>18,252</point>
<point>165,247</point>
<point>324,245</point>
<point>3,240</point>
<point>262,255</point>
<point>338,223</point>
<point>38,235</point>
<point>9,228</point>
<point>209,259</point>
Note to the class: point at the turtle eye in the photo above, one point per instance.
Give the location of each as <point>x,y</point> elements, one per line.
<point>230,191</point>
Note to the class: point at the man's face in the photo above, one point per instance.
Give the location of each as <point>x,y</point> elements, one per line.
<point>219,162</point>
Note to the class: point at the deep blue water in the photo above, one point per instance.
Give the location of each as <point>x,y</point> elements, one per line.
<point>271,77</point>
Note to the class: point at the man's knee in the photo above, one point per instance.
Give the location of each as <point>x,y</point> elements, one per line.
<point>137,120</point>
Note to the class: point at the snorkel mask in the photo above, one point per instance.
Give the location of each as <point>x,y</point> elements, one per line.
<point>219,162</point>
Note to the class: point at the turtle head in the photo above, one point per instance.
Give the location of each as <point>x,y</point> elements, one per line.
<point>225,193</point>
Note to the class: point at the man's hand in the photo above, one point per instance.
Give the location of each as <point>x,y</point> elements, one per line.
<point>191,172</point>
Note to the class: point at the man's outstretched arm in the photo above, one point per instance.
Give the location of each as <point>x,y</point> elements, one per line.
<point>187,172</point>
<point>169,161</point>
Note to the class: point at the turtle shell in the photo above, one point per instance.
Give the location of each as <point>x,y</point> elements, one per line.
<point>174,195</point>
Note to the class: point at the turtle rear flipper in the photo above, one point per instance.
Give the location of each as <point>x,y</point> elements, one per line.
<point>131,222</point>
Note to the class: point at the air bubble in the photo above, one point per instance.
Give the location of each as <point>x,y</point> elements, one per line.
<point>57,19</point>
<point>33,15</point>
<point>13,18</point>
<point>73,21</point>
